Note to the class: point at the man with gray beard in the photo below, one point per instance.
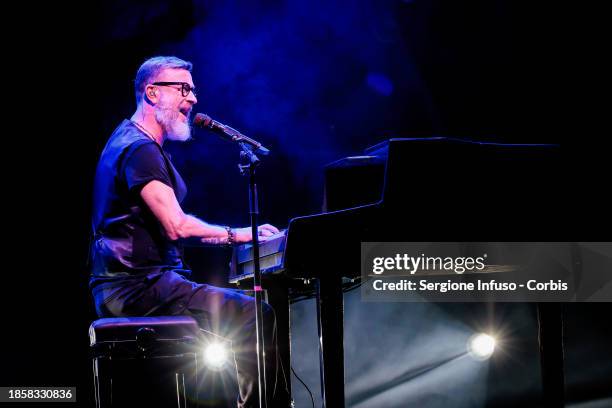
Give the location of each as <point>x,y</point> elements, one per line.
<point>137,266</point>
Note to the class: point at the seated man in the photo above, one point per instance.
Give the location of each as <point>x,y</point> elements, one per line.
<point>138,223</point>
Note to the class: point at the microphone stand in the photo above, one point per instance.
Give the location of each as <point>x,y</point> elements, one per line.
<point>248,165</point>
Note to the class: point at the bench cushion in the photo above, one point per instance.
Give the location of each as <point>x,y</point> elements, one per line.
<point>125,328</point>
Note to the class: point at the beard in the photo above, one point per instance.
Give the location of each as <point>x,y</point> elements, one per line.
<point>174,128</point>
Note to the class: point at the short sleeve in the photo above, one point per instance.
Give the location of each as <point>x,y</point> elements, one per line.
<point>146,163</point>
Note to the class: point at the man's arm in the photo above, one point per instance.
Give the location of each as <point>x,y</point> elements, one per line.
<point>163,203</point>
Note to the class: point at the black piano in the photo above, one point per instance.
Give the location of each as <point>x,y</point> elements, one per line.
<point>421,189</point>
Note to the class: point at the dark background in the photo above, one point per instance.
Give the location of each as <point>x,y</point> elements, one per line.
<point>315,81</point>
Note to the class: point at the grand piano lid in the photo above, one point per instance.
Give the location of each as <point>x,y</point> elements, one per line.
<point>382,149</point>
<point>355,161</point>
<point>378,153</point>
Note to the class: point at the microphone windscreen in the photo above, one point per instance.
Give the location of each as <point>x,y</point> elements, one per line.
<point>201,120</point>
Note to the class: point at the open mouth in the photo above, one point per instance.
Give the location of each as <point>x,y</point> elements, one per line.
<point>185,112</point>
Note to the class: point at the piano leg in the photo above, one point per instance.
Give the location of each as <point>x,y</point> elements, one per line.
<point>550,327</point>
<point>278,297</point>
<point>330,315</point>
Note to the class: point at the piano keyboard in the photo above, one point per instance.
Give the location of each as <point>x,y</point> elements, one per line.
<point>271,258</point>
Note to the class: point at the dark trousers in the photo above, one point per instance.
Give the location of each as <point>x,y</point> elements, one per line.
<point>225,312</point>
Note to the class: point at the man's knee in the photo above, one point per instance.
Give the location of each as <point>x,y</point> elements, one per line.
<point>267,309</point>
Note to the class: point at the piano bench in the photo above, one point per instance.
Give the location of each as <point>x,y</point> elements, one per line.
<point>145,361</point>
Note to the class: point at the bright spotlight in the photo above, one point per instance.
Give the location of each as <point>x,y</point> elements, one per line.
<point>481,346</point>
<point>215,355</point>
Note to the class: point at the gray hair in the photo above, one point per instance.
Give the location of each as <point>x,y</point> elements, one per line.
<point>149,70</point>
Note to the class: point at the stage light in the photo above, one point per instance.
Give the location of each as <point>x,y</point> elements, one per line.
<point>481,346</point>
<point>215,355</point>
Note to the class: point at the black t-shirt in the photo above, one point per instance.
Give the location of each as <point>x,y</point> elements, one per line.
<point>145,163</point>
<point>128,239</point>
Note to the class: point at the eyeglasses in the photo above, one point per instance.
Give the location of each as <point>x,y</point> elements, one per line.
<point>185,87</point>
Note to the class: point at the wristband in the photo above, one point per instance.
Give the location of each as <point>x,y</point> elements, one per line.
<point>231,236</point>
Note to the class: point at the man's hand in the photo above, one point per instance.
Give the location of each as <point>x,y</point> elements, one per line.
<point>243,235</point>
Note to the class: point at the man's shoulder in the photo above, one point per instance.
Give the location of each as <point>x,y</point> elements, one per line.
<point>127,138</point>
<point>128,133</point>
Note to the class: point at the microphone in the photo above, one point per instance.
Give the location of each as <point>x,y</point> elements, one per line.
<point>230,134</point>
